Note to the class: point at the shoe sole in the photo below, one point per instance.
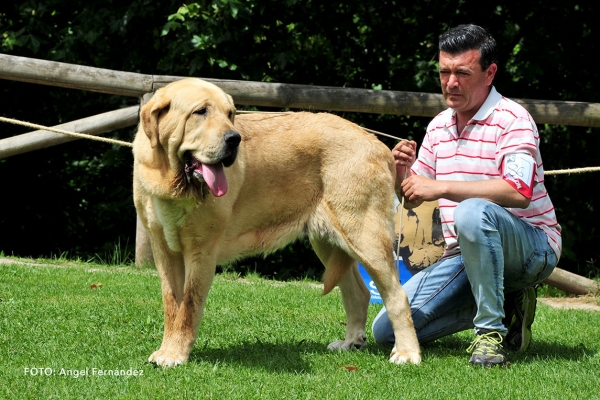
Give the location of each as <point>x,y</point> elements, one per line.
<point>530,302</point>
<point>484,364</point>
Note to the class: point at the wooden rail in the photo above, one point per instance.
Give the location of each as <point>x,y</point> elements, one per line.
<point>572,283</point>
<point>278,94</point>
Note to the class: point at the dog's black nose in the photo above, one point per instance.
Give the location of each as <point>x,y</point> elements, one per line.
<point>233,139</point>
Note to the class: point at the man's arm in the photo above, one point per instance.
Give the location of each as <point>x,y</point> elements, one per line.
<point>418,189</point>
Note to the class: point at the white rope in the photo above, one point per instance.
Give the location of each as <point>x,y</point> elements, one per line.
<point>572,171</point>
<point>128,144</point>
<point>68,133</point>
<point>291,112</point>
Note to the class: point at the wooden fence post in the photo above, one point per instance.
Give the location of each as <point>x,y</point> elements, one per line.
<point>143,246</point>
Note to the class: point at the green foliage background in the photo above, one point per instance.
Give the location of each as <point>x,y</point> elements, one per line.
<point>76,197</point>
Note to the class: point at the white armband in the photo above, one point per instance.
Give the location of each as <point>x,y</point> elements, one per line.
<point>518,169</point>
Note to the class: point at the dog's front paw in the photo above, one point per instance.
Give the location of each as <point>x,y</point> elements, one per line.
<point>165,358</point>
<point>406,357</point>
<point>357,342</point>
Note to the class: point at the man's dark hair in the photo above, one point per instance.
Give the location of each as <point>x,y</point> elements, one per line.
<point>469,37</point>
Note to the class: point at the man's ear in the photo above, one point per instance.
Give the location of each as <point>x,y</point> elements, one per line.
<point>491,73</point>
<point>150,115</point>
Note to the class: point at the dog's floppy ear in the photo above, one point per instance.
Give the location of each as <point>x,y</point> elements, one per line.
<point>150,115</point>
<point>233,104</point>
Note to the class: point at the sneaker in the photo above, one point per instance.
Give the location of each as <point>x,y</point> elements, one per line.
<point>520,312</point>
<point>488,349</point>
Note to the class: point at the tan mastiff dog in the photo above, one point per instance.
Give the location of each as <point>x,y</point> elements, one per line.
<point>211,187</point>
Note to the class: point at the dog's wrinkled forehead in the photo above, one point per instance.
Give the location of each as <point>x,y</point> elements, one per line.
<point>194,93</point>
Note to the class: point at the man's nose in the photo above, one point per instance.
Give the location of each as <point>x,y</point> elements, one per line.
<point>452,81</point>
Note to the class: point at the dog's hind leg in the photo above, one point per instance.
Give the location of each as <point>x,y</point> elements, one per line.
<point>371,244</point>
<point>340,267</point>
<point>374,250</point>
<point>406,349</point>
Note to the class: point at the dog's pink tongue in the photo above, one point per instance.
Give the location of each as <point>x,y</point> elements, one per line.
<point>214,176</point>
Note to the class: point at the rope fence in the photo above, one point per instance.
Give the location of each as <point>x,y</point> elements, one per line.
<point>68,133</point>
<point>128,144</point>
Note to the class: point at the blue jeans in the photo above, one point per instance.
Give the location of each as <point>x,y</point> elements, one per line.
<point>499,253</point>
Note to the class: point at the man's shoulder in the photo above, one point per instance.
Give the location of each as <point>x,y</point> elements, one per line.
<point>510,109</point>
<point>441,120</point>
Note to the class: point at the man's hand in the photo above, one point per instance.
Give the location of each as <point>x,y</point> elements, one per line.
<point>418,189</point>
<point>405,155</point>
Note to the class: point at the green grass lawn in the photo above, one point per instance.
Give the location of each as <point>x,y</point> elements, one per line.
<point>258,339</point>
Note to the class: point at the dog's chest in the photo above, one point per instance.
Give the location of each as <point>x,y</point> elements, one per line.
<point>172,216</point>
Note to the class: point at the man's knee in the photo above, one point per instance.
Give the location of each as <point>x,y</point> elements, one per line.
<point>467,211</point>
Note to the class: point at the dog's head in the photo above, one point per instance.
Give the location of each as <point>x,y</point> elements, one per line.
<point>191,123</point>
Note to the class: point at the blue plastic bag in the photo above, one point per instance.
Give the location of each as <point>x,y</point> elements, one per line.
<point>403,272</point>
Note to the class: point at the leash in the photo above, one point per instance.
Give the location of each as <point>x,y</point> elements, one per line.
<point>292,112</point>
<point>128,144</point>
<point>400,225</point>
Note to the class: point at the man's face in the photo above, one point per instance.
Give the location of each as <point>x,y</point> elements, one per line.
<point>464,85</point>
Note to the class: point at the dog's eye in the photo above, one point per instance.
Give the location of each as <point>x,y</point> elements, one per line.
<point>231,115</point>
<point>201,111</point>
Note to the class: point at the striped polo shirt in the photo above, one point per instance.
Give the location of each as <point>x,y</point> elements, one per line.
<point>499,128</point>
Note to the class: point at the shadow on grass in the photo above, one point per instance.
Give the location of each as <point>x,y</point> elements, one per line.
<point>455,346</point>
<point>288,356</point>
<point>276,357</point>
<point>553,351</point>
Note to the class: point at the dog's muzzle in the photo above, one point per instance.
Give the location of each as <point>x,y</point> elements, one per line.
<point>213,174</point>
<point>232,141</point>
